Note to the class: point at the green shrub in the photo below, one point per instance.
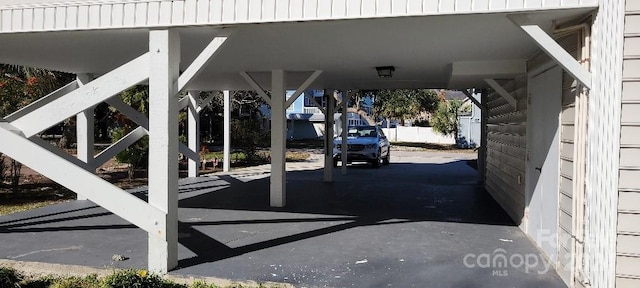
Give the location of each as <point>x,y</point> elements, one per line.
<point>131,278</point>
<point>42,282</point>
<point>200,284</point>
<point>90,281</point>
<point>10,278</point>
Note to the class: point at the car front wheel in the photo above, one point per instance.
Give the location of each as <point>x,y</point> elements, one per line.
<point>387,159</point>
<point>376,163</point>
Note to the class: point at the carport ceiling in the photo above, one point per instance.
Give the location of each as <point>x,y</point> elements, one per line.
<point>422,49</point>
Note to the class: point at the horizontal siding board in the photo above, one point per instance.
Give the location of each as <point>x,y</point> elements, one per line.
<point>630,113</point>
<point>630,157</point>
<point>632,47</point>
<point>566,203</point>
<point>629,244</point>
<point>566,186</point>
<point>632,24</point>
<point>565,221</point>
<point>628,266</point>
<point>629,201</point>
<point>625,282</point>
<point>629,179</point>
<point>630,135</point>
<point>629,223</point>
<point>631,68</point>
<point>631,91</point>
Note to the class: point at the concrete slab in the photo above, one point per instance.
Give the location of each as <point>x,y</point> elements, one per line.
<point>420,222</point>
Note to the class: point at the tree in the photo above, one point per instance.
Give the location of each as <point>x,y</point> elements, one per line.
<point>136,155</point>
<point>445,119</point>
<point>19,86</point>
<point>401,104</point>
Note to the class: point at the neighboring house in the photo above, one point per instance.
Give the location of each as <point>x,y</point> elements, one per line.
<point>306,121</point>
<point>470,124</point>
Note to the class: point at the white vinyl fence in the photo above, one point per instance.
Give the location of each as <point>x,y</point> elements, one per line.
<point>417,135</point>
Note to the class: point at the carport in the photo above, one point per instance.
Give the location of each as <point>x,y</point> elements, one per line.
<point>200,45</point>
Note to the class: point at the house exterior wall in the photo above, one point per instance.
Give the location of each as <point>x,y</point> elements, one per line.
<point>506,148</point>
<point>628,238</point>
<point>17,16</point>
<point>603,149</point>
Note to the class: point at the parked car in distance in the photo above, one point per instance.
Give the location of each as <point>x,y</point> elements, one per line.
<point>364,144</point>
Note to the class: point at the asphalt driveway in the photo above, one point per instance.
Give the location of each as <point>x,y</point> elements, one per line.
<point>420,222</point>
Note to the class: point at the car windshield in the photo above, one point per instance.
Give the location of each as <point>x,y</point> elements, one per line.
<point>362,131</point>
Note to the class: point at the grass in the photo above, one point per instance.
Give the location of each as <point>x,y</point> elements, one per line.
<point>432,146</point>
<point>32,196</point>
<point>263,157</point>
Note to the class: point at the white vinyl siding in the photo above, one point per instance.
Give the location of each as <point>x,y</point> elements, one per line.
<point>628,241</point>
<point>506,148</point>
<point>43,15</point>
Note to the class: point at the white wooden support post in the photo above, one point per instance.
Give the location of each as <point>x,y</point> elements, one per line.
<point>343,152</point>
<point>85,132</point>
<point>482,152</point>
<point>226,162</point>
<point>328,137</point>
<point>193,126</point>
<point>278,189</point>
<point>164,47</point>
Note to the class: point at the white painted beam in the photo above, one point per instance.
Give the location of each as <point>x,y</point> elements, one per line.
<point>205,103</point>
<point>79,180</point>
<point>506,95</point>
<point>193,133</point>
<point>117,147</point>
<point>131,113</point>
<point>187,152</point>
<point>303,87</point>
<point>313,100</point>
<point>226,161</point>
<point>278,186</point>
<point>554,50</point>
<point>328,137</point>
<point>470,97</point>
<point>66,89</point>
<point>163,69</point>
<point>60,153</point>
<point>252,82</point>
<point>84,97</point>
<point>201,61</point>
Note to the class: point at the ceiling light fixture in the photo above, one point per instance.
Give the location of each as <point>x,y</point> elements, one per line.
<point>385,71</point>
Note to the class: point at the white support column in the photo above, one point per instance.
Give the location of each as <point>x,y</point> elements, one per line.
<point>164,47</point>
<point>84,133</point>
<point>328,136</point>
<point>482,152</point>
<point>193,126</point>
<point>226,162</point>
<point>343,152</point>
<point>278,189</point>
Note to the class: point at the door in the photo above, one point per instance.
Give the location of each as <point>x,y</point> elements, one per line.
<point>545,92</point>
